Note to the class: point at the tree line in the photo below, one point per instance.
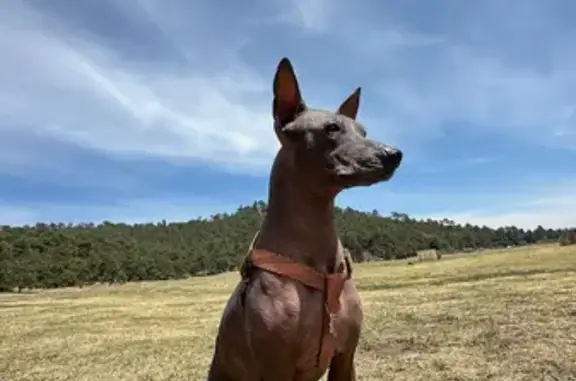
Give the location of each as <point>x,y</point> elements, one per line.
<point>62,255</point>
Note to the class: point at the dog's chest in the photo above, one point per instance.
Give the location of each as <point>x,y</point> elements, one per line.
<point>312,325</point>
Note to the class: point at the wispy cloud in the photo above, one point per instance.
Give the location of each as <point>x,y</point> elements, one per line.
<point>457,71</point>
<point>455,166</point>
<point>550,213</point>
<point>551,206</point>
<point>10,215</point>
<point>138,210</point>
<point>83,92</point>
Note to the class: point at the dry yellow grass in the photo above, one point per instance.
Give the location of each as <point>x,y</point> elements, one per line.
<point>508,315</point>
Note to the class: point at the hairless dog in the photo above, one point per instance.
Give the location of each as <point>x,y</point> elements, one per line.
<point>296,312</point>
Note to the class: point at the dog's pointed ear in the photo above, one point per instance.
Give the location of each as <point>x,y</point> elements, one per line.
<point>288,101</point>
<point>350,106</point>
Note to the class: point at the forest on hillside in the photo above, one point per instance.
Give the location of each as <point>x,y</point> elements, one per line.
<point>60,255</point>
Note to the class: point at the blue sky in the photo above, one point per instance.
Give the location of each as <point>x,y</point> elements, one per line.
<point>145,110</point>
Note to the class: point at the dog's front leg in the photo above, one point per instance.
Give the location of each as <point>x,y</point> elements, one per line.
<point>342,367</point>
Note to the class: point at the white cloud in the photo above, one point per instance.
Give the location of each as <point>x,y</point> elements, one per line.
<point>76,90</point>
<point>14,215</point>
<point>453,166</point>
<point>555,217</point>
<point>461,76</point>
<point>343,21</point>
<point>479,92</point>
<point>129,211</point>
<point>554,210</point>
<point>310,15</point>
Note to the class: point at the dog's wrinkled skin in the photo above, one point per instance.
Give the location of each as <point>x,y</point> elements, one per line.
<point>271,327</point>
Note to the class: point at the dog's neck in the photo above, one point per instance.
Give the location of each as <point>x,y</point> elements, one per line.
<point>299,224</point>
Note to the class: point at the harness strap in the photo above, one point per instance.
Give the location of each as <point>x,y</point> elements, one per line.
<point>331,286</point>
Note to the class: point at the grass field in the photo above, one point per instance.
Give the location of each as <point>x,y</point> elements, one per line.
<point>502,315</point>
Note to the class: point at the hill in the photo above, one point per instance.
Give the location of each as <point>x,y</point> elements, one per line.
<point>60,255</point>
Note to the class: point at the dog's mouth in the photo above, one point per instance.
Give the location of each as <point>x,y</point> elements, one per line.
<point>364,178</point>
<point>364,170</point>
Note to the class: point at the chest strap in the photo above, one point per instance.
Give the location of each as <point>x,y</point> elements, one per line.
<point>330,285</point>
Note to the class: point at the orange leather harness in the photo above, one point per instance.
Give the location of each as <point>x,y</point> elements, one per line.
<point>331,286</point>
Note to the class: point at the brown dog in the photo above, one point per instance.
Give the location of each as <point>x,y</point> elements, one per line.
<point>296,312</point>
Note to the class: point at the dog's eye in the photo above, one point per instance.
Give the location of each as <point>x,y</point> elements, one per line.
<point>332,127</point>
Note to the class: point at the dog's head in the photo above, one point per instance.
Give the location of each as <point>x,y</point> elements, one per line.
<point>329,150</point>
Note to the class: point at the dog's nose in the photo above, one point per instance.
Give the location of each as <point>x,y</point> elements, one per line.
<point>393,154</point>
